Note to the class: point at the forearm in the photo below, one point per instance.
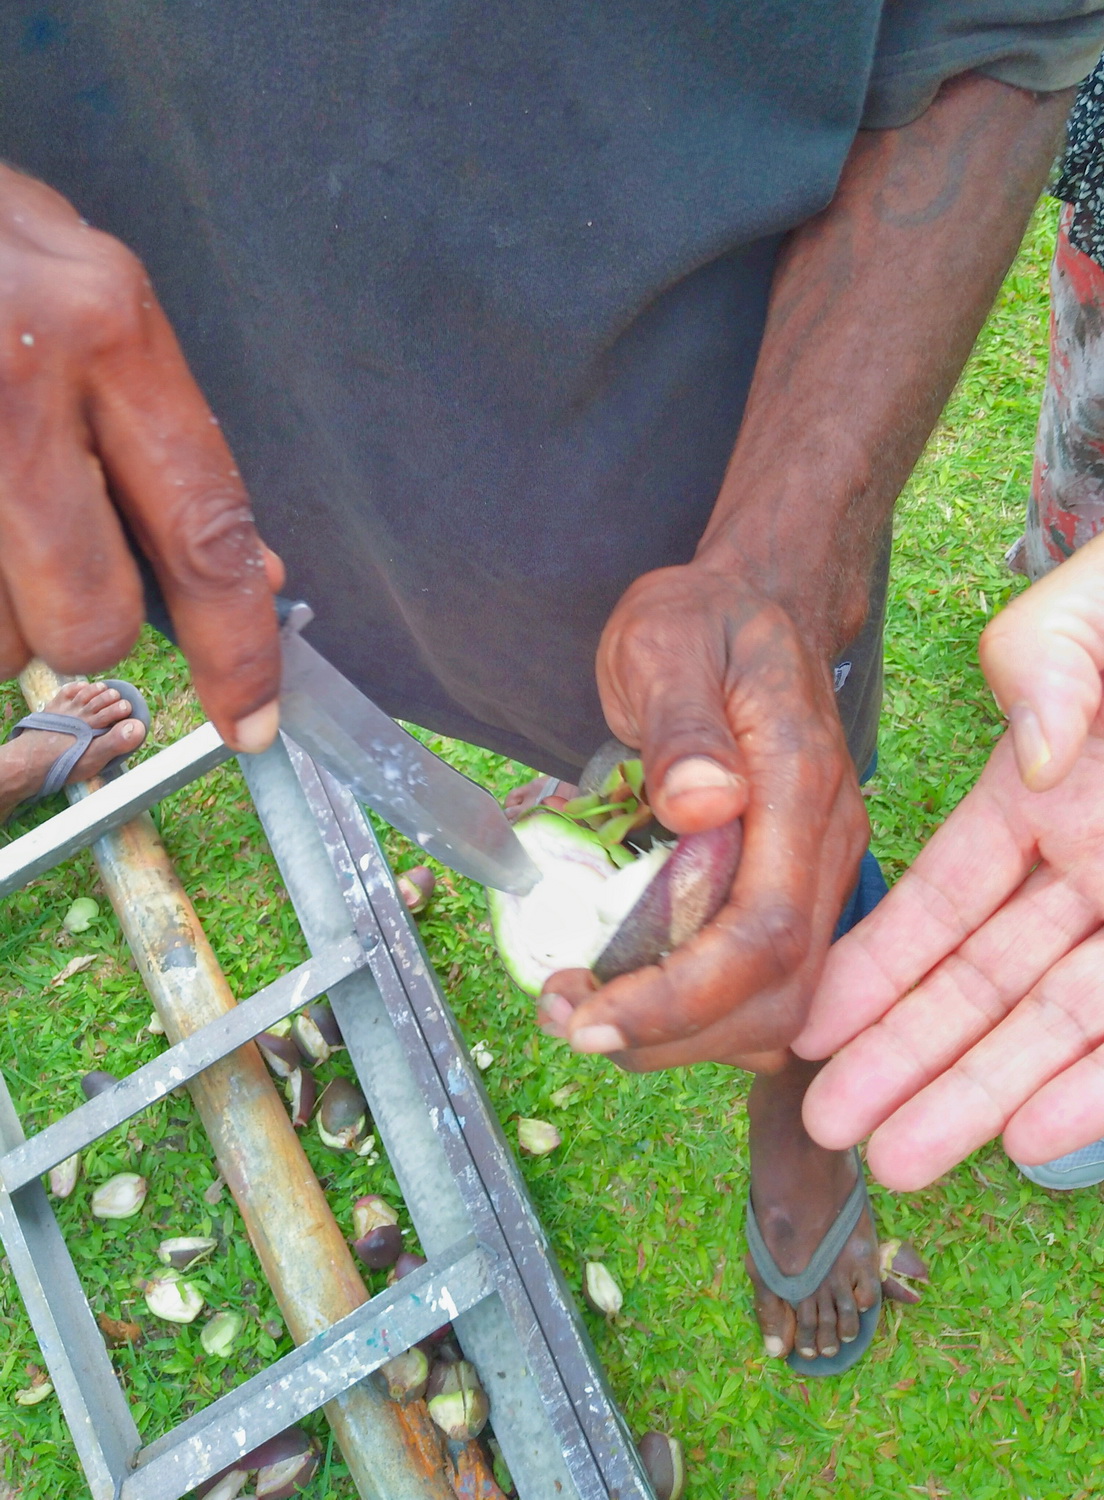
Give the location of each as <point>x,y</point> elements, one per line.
<point>875,306</point>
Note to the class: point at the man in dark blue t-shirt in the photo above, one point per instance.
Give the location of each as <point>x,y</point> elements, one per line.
<point>534,331</point>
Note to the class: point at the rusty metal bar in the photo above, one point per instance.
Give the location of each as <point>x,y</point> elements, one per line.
<point>303,1254</point>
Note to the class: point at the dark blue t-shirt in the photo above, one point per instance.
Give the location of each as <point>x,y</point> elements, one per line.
<point>476,290</point>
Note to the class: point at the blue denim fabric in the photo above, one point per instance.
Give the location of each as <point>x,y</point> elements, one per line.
<point>869,890</point>
<point>871,884</point>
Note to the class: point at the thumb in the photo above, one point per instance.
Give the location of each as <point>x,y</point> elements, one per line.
<point>693,767</point>
<point>1043,657</point>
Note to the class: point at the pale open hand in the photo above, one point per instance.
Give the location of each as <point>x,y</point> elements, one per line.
<point>972,1000</point>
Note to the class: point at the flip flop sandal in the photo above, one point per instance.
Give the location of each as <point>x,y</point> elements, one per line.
<point>794,1289</point>
<point>83,735</point>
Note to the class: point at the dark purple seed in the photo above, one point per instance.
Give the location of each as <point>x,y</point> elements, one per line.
<point>97,1082</point>
<point>686,893</point>
<point>380,1247</point>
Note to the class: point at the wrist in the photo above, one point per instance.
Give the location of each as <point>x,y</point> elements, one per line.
<point>800,514</point>
<point>806,561</point>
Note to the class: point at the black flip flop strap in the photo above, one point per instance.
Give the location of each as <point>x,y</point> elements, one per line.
<point>83,735</point>
<point>794,1289</point>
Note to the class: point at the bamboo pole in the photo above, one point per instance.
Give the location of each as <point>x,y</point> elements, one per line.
<point>306,1261</point>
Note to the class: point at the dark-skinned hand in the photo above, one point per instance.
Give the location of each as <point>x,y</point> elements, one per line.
<point>102,418</point>
<point>734,715</point>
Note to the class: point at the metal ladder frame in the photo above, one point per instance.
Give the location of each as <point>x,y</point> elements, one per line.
<point>490,1269</point>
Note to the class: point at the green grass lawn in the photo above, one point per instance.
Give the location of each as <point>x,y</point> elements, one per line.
<point>990,1388</point>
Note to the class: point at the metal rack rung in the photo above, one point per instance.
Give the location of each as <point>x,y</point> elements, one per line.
<point>490,1270</point>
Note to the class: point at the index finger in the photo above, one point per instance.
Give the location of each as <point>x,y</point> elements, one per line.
<point>1060,1022</point>
<point>173,476</point>
<point>962,999</point>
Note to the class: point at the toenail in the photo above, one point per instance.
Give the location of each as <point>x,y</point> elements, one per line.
<point>774,1346</point>
<point>807,1353</point>
<point>848,1338</point>
<point>829,1350</point>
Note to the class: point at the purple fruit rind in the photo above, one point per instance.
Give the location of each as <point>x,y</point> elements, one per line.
<point>896,1291</point>
<point>276,1449</point>
<point>685,894</point>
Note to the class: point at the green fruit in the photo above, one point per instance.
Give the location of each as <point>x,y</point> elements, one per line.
<point>569,917</point>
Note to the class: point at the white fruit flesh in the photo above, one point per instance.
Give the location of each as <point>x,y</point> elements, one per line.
<point>568,918</point>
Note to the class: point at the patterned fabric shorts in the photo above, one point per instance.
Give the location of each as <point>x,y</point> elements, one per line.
<point>1066,507</point>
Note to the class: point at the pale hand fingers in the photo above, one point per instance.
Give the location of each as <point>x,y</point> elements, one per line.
<point>961,1000</point>
<point>1059,1022</point>
<point>1066,1114</point>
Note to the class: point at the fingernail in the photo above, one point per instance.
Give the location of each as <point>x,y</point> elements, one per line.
<point>1032,750</point>
<point>696,774</point>
<point>257,730</point>
<point>774,1346</point>
<point>598,1039</point>
<point>556,1009</point>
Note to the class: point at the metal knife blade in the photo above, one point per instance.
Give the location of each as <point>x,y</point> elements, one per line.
<point>445,813</point>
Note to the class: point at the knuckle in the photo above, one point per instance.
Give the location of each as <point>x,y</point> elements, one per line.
<point>784,932</point>
<point>102,297</point>
<point>219,548</point>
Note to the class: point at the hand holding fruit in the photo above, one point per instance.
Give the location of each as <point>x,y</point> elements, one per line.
<point>734,716</point>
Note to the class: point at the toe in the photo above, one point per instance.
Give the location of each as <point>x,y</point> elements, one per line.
<point>120,739</point>
<point>775,1317</point>
<point>847,1315</point>
<point>100,696</point>
<point>828,1339</point>
<point>808,1324</point>
<point>776,1324</point>
<point>69,695</point>
<point>109,709</point>
<point>866,1287</point>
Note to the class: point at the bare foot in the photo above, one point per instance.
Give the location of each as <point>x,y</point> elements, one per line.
<point>798,1188</point>
<point>25,760</point>
<point>542,791</point>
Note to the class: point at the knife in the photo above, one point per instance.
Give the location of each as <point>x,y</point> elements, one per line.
<point>438,807</point>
